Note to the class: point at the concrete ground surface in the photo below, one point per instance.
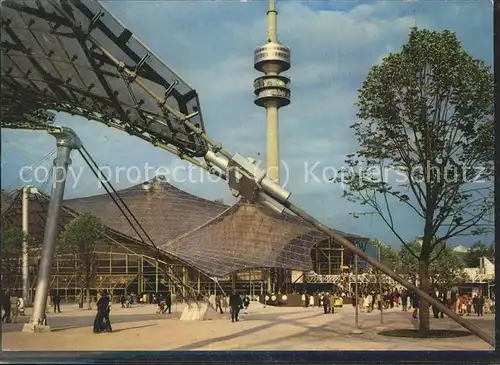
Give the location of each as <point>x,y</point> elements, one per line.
<point>269,328</point>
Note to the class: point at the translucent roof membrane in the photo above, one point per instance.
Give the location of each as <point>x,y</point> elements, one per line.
<point>74,56</point>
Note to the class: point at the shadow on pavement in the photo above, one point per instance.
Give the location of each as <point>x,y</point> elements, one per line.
<point>311,332</point>
<point>263,327</point>
<point>59,324</point>
<point>134,328</point>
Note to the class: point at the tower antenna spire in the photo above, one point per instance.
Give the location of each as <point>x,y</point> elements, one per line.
<point>272,17</point>
<point>272,91</point>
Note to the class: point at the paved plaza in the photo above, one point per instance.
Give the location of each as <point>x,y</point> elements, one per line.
<point>270,328</point>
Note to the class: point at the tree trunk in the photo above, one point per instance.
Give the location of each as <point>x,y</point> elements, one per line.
<point>89,300</point>
<point>80,300</point>
<point>424,315</point>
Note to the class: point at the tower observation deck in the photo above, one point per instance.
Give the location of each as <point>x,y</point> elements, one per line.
<point>272,91</point>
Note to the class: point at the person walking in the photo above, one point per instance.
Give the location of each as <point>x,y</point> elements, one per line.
<point>435,295</point>
<point>6,307</point>
<point>415,304</point>
<point>368,302</point>
<point>21,306</point>
<point>122,300</point>
<point>168,303</point>
<point>14,306</point>
<point>468,304</point>
<point>218,303</point>
<point>455,303</point>
<point>480,305</point>
<point>325,301</point>
<point>462,304</point>
<point>378,300</point>
<point>246,303</point>
<point>444,301</point>
<point>235,304</point>
<point>56,302</point>
<point>101,320</point>
<point>332,303</point>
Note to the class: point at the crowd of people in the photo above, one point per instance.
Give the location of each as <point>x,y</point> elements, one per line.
<point>326,300</point>
<point>367,301</point>
<point>12,306</point>
<point>370,300</point>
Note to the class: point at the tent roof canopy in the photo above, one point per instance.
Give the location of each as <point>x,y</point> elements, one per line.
<point>209,236</point>
<point>75,56</point>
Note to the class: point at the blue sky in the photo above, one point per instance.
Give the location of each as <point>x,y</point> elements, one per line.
<point>210,45</point>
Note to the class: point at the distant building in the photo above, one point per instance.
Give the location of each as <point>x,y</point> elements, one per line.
<point>482,274</point>
<point>460,249</point>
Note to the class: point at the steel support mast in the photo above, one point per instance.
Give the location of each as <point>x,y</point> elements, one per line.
<point>66,141</point>
<point>27,190</point>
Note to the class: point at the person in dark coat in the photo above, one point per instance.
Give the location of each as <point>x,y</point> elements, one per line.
<point>443,301</point>
<point>101,321</point>
<point>235,304</point>
<point>479,305</point>
<point>415,302</point>
<point>6,306</point>
<point>168,303</point>
<point>56,302</point>
<point>122,300</point>
<point>435,295</point>
<point>404,300</point>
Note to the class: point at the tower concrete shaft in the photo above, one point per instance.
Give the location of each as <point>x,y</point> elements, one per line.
<point>272,142</point>
<point>272,91</point>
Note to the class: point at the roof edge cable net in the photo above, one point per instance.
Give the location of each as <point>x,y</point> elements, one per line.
<point>192,293</point>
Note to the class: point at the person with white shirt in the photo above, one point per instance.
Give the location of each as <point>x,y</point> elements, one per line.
<point>368,302</point>
<point>21,306</point>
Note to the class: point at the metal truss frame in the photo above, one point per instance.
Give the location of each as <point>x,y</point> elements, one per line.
<point>86,81</point>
